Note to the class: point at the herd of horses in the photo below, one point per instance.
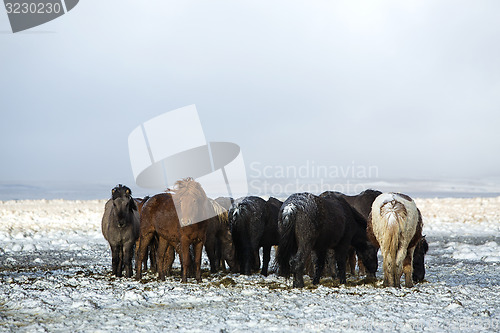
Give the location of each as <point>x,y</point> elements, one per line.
<point>309,232</point>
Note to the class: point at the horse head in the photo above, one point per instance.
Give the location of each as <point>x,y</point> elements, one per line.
<point>123,203</point>
<point>191,202</point>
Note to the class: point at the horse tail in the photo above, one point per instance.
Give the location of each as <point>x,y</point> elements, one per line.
<point>288,242</point>
<point>395,214</point>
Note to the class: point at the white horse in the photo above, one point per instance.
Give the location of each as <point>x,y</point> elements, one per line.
<point>396,224</point>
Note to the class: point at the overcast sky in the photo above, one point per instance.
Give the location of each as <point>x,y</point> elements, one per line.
<point>412,87</point>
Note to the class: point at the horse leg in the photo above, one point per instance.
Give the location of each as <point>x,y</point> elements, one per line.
<point>228,254</point>
<point>408,268</point>
<point>128,250</point>
<point>169,259</point>
<point>218,255</point>
<point>320,265</point>
<point>388,267</point>
<point>121,263</point>
<point>145,261</point>
<point>198,249</point>
<point>351,261</point>
<point>162,248</point>
<point>153,255</point>
<point>256,257</point>
<point>210,249</point>
<point>266,256</point>
<point>362,269</point>
<point>398,271</point>
<point>340,257</point>
<point>115,260</point>
<point>297,265</point>
<point>185,258</point>
<point>141,251</point>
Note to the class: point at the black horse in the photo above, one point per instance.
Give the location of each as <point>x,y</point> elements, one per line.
<point>120,227</point>
<point>271,234</point>
<point>362,202</point>
<point>247,221</point>
<point>311,223</point>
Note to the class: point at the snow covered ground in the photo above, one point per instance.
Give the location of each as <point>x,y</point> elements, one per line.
<point>55,276</point>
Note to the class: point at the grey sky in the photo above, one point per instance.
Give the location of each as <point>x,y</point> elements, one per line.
<point>412,87</point>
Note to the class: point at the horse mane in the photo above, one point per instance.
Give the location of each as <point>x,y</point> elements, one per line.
<point>187,187</point>
<point>221,212</point>
<point>120,191</point>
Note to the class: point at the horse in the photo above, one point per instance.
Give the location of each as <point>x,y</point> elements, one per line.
<point>362,202</point>
<point>247,221</point>
<point>160,217</point>
<point>395,224</point>
<point>120,227</point>
<point>219,243</point>
<point>309,223</point>
<point>271,235</point>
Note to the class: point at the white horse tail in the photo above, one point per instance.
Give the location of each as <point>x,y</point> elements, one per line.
<point>395,214</point>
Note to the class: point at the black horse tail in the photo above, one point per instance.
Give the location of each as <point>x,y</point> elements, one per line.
<point>288,243</point>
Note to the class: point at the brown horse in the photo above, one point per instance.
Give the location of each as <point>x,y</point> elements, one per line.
<point>174,217</point>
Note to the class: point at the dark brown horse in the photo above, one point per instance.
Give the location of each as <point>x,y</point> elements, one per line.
<point>219,243</point>
<point>179,219</point>
<point>153,246</point>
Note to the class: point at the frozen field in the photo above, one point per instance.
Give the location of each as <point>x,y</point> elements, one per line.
<point>55,276</point>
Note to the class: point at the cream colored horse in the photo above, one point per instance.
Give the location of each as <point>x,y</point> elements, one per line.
<point>396,224</point>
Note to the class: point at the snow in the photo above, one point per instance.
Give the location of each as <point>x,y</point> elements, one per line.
<point>55,276</point>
